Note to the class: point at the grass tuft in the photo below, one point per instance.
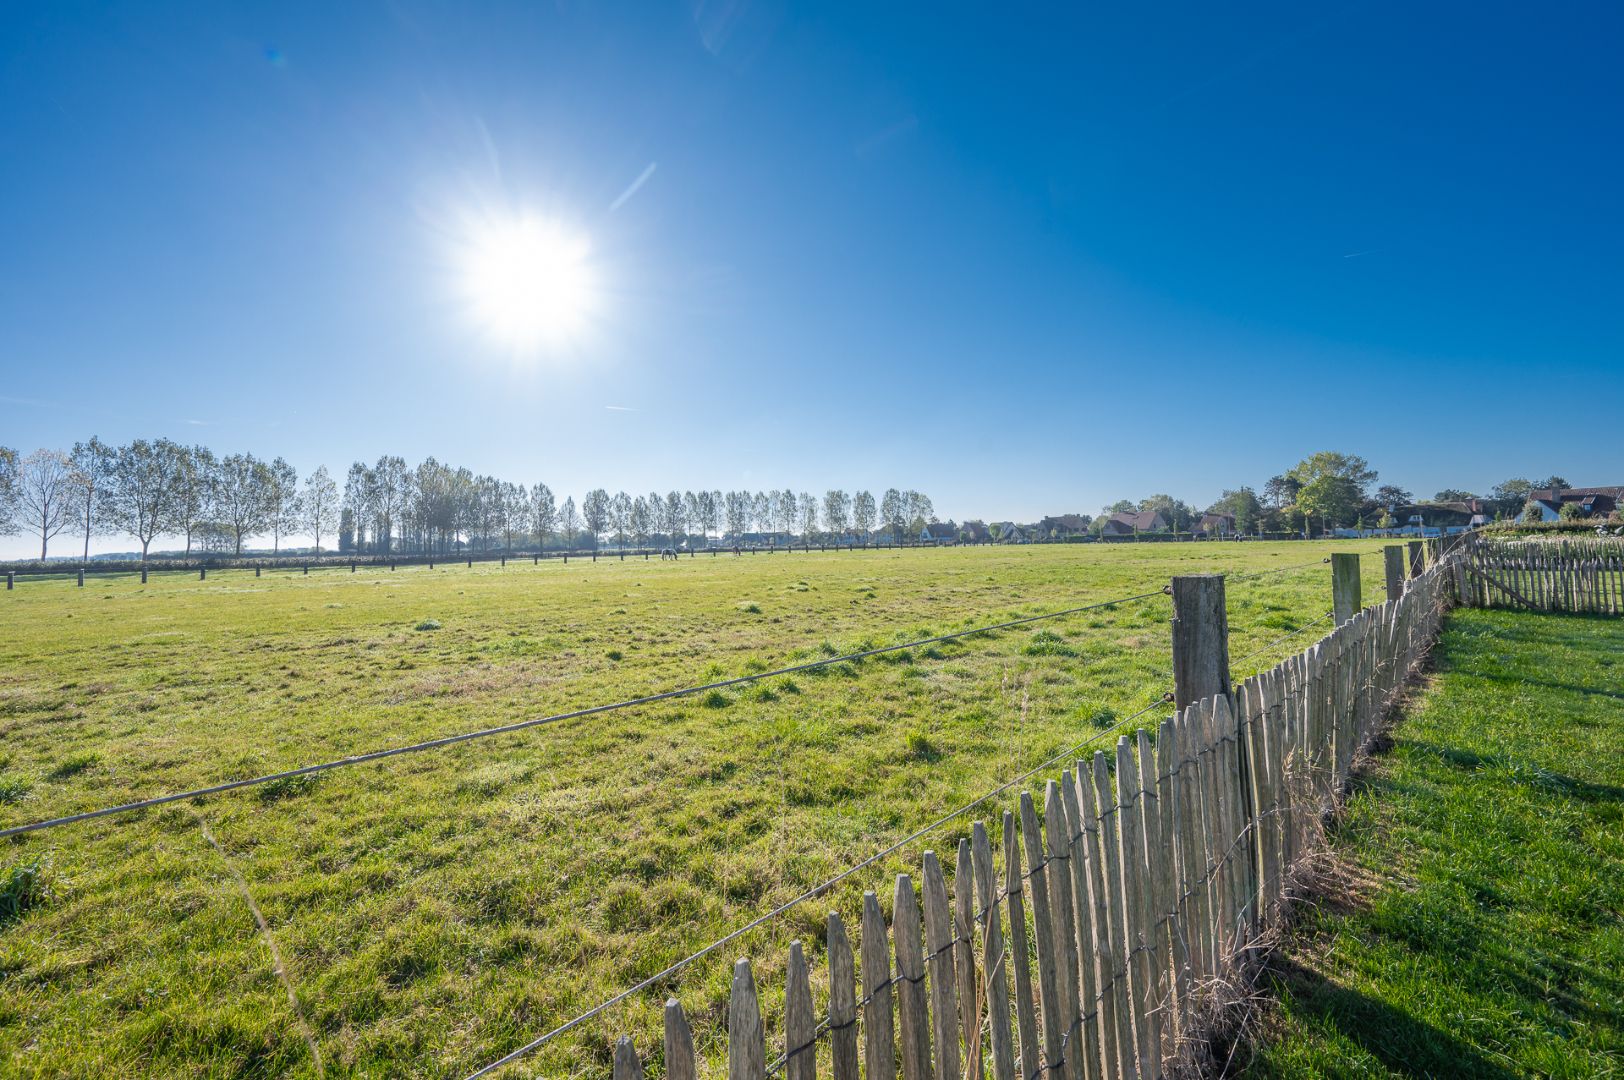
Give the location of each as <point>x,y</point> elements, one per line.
<point>23,886</point>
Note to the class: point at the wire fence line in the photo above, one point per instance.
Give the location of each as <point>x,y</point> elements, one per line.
<point>810,894</point>
<point>574,714</point>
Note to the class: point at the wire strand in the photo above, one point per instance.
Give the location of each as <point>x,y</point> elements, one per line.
<point>815,891</point>
<point>523,725</point>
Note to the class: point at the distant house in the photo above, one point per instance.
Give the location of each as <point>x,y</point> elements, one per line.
<point>1011,533</point>
<point>1592,502</point>
<point>1129,523</point>
<point>939,532</point>
<point>1216,525</point>
<point>975,532</point>
<point>1064,525</point>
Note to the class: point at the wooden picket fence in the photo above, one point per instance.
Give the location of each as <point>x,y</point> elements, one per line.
<point>1122,911</point>
<point>1570,574</point>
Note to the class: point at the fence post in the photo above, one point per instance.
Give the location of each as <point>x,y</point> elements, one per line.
<point>306,573</point>
<point>11,579</point>
<point>81,577</point>
<point>1200,639</point>
<point>202,573</point>
<point>1345,592</point>
<point>143,576</point>
<point>1393,563</point>
<point>256,571</point>
<point>352,567</point>
<point>1417,560</point>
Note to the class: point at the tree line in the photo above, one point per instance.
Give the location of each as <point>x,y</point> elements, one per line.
<point>1329,489</point>
<point>154,488</point>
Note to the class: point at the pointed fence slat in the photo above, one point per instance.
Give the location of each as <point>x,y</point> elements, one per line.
<point>943,990</point>
<point>1057,835</point>
<point>679,1044</point>
<point>746,1048</point>
<point>971,1003</point>
<point>1054,1017</point>
<point>912,1012</point>
<point>1026,1016</point>
<point>879,1034</point>
<point>842,1002</point>
<point>995,957</point>
<point>800,1024</point>
<point>627,1065</point>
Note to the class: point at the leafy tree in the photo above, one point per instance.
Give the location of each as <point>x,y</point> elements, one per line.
<point>620,516</point>
<point>1453,495</point>
<point>788,511</point>
<point>1178,514</point>
<point>893,508</point>
<point>283,512</point>
<point>1569,512</point>
<point>738,513</point>
<point>1391,497</point>
<point>862,512</point>
<point>676,518</point>
<point>836,512</point>
<point>543,514</point>
<point>570,521</point>
<point>197,476</point>
<point>143,497</point>
<point>807,510</point>
<point>1533,512</point>
<point>595,513</point>
<point>92,466</point>
<point>1332,486</point>
<point>319,504</point>
<point>8,491</point>
<point>1280,493</point>
<point>242,496</point>
<point>1514,490</point>
<point>641,522</point>
<point>1553,483</point>
<point>1243,504</point>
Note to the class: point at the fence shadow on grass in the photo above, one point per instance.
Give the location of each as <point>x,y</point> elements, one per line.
<point>1554,783</point>
<point>1400,1041</point>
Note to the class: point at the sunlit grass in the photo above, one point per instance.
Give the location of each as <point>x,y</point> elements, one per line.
<point>436,910</point>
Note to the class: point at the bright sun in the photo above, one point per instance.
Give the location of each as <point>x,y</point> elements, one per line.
<point>529,282</point>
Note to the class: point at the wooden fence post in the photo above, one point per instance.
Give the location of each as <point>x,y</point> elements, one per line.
<point>11,578</point>
<point>81,577</point>
<point>1345,593</point>
<point>1417,559</point>
<point>1393,564</point>
<point>1200,639</point>
<point>143,577</point>
<point>202,573</point>
<point>679,1043</point>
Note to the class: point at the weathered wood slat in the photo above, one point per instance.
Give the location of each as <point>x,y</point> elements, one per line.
<point>971,1002</point>
<point>746,1048</point>
<point>679,1044</point>
<point>913,1014</point>
<point>1054,1016</point>
<point>995,957</point>
<point>1020,951</point>
<point>842,1002</point>
<point>939,949</point>
<point>879,1038</point>
<point>1057,836</point>
<point>800,1021</point>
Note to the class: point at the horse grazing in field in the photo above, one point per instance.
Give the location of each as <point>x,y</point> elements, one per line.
<point>668,553</point>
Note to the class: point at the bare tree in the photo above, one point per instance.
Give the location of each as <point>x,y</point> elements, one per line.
<point>320,505</point>
<point>47,490</point>
<point>143,495</point>
<point>283,512</point>
<point>386,498</point>
<point>738,513</point>
<point>862,510</point>
<point>92,464</point>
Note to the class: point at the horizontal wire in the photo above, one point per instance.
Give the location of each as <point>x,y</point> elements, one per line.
<point>522,725</point>
<point>816,890</point>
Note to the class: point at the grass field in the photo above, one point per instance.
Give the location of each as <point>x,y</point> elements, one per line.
<point>1478,925</point>
<point>435,910</point>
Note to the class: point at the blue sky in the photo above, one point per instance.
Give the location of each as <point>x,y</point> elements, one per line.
<point>1026,260</point>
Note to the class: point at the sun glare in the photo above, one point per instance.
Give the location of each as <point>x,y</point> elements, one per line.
<point>529,282</point>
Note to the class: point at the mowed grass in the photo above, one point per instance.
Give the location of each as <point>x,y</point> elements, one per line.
<point>1481,930</point>
<point>433,911</point>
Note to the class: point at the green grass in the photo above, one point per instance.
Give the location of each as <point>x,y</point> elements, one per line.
<point>1480,926</point>
<point>436,910</point>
